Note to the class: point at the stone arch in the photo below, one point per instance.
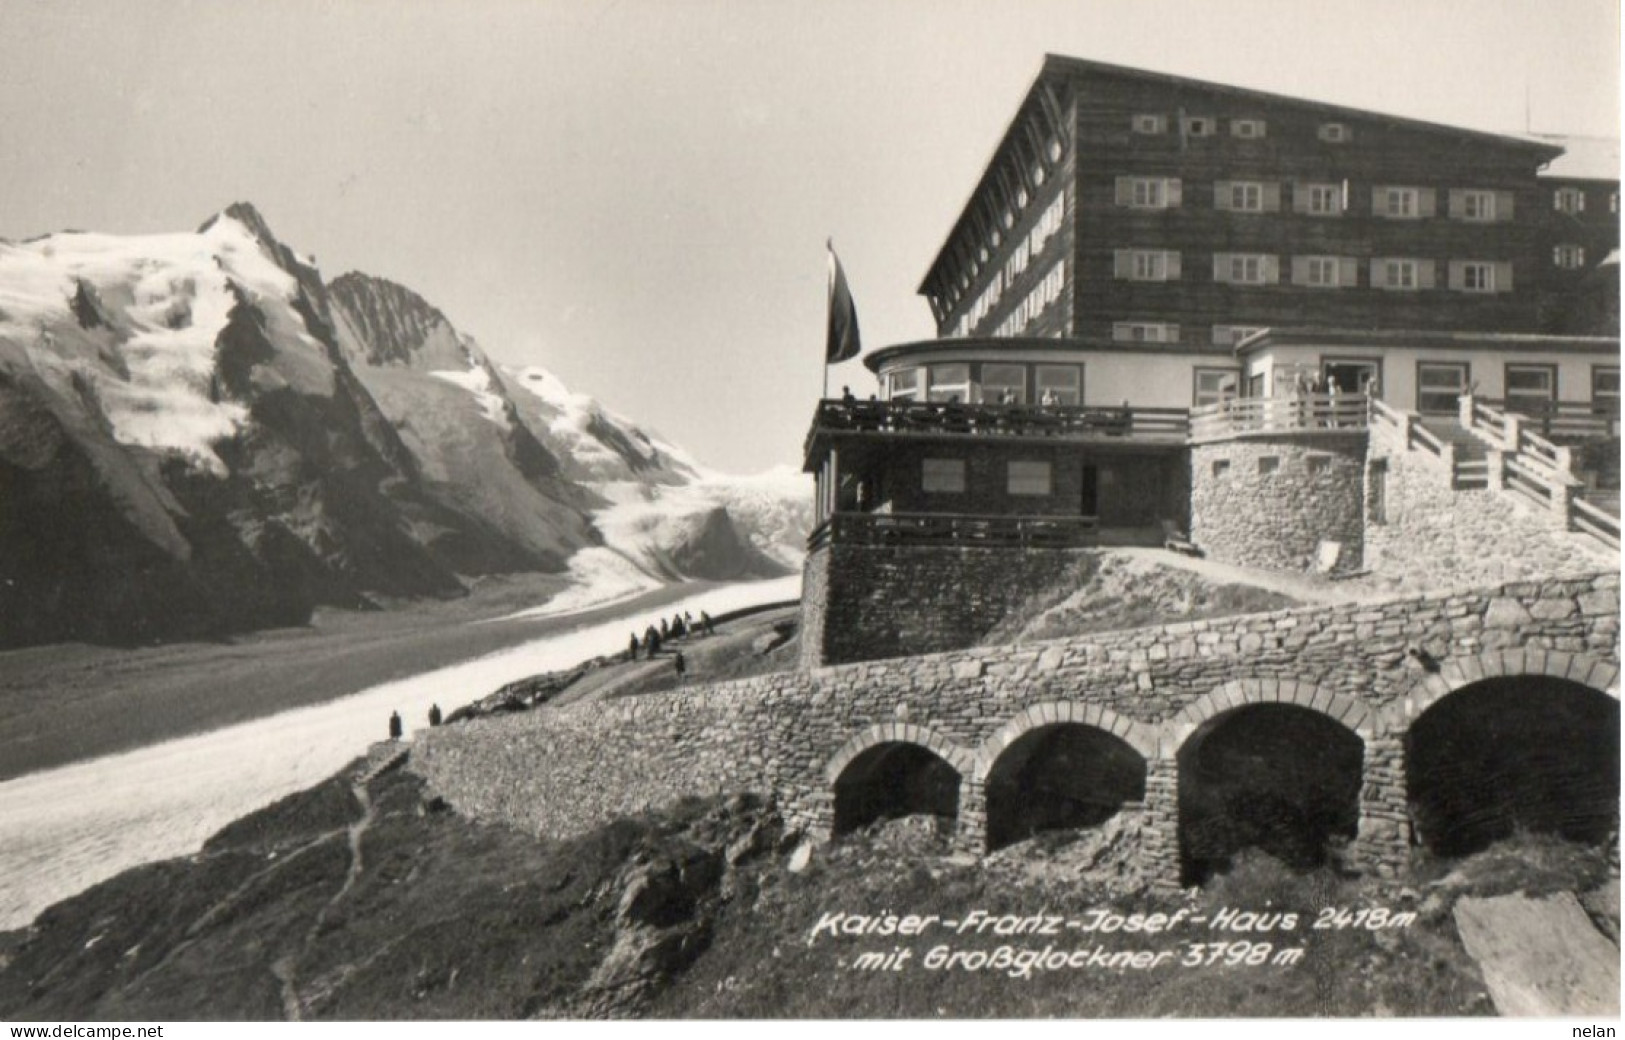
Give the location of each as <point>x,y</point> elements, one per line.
<point>1137,735</point>
<point>1353,715</point>
<point>1268,764</point>
<point>898,733</point>
<point>1459,672</point>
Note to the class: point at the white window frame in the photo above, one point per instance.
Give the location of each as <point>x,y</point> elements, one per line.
<point>1453,390</point>
<point>1569,200</point>
<point>1145,332</point>
<point>1409,271</point>
<point>1334,133</point>
<point>896,390</point>
<point>1569,256</point>
<point>1217,379</point>
<point>1247,196</point>
<point>1148,193</point>
<point>1251,129</point>
<point>995,383</point>
<point>1317,268</point>
<point>1149,265</point>
<point>1409,203</point>
<point>1478,206</point>
<point>1246,268</point>
<point>1511,395</point>
<point>1319,193</point>
<point>1477,276</point>
<point>1030,478</point>
<point>942,476</point>
<point>1150,123</point>
<point>1200,126</point>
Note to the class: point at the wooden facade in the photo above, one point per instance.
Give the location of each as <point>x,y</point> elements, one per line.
<point>1189,210</point>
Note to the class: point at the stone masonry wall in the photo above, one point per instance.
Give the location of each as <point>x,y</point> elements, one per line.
<point>1270,502</point>
<point>1429,534</point>
<point>891,601</point>
<point>814,612</point>
<point>561,771</point>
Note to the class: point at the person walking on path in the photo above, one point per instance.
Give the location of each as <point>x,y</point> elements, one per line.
<point>682,668</point>
<point>394,725</point>
<point>632,648</point>
<point>705,623</point>
<point>434,715</point>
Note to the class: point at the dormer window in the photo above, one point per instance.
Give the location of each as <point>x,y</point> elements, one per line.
<point>1569,200</point>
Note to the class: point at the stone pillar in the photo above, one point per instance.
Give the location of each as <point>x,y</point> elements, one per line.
<point>1495,467</point>
<point>1382,846</point>
<point>1464,411</point>
<point>970,836</point>
<point>1161,842</point>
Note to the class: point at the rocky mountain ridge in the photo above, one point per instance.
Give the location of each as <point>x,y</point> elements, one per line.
<point>199,436</point>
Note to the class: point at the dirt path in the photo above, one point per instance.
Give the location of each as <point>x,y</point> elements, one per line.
<point>1540,957</point>
<point>1306,587</point>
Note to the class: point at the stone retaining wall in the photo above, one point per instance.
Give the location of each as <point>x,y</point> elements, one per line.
<point>1270,502</point>
<point>560,771</point>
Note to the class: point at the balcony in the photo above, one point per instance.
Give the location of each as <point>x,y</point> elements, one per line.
<point>927,419</point>
<point>1053,532</point>
<point>1240,417</point>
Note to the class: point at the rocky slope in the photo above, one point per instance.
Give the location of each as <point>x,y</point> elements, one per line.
<point>198,436</point>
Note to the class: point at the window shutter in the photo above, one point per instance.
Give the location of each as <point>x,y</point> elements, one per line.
<point>1427,202</point>
<point>1503,276</point>
<point>1379,201</point>
<point>1379,274</point>
<point>1272,196</point>
<point>1424,274</point>
<point>1171,265</point>
<point>1503,205</point>
<point>1457,204</point>
<point>1271,270</point>
<point>1300,270</point>
<point>1300,197</point>
<point>1221,194</point>
<point>1458,274</point>
<point>1348,271</point>
<point>1580,197</point>
<point>1122,263</point>
<point>1221,267</point>
<point>1125,190</point>
<point>1175,193</point>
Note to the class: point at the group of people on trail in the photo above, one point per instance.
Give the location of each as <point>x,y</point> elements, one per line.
<point>396,727</point>
<point>678,627</point>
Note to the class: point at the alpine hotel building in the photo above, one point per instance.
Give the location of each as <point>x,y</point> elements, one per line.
<point>1148,261</point>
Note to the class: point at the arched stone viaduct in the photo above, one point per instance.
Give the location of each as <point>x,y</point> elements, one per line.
<point>1368,669</point>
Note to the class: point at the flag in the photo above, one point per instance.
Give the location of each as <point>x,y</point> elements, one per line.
<point>841,343</point>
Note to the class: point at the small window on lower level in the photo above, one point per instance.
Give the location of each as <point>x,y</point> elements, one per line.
<point>1268,464</point>
<point>943,476</point>
<point>1318,464</point>
<point>1029,477</point>
<point>1221,467</point>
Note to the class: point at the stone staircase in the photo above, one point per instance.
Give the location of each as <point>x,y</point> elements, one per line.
<point>1470,454</point>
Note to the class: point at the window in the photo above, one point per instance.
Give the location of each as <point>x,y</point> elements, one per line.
<point>1326,272</point>
<point>1146,265</point>
<point>1438,385</point>
<point>1250,128</point>
<point>1401,273</point>
<point>1221,467</point>
<point>1613,202</point>
<point>1245,268</point>
<point>1244,196</point>
<point>1229,335</point>
<point>1004,384</point>
<point>1318,464</point>
<point>1321,200</point>
<point>1480,276</point>
<point>1148,192</point>
<point>1399,203</point>
<point>1268,464</point>
<point>1020,253</point>
<point>1212,385</point>
<point>1029,477</point>
<point>950,383</point>
<point>1569,257</point>
<point>943,476</point>
<point>1569,200</point>
<point>1604,390</point>
<point>1334,133</point>
<point>1473,204</point>
<point>1150,124</point>
<point>1145,332</point>
<point>1063,384</point>
<point>1530,388</point>
<point>903,384</point>
<point>1199,126</point>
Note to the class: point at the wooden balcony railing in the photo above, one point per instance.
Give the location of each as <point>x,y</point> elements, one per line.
<point>1243,415</point>
<point>1000,420</point>
<point>954,529</point>
<point>1563,420</point>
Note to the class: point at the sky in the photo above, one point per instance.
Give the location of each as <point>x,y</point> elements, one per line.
<point>635,194</point>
